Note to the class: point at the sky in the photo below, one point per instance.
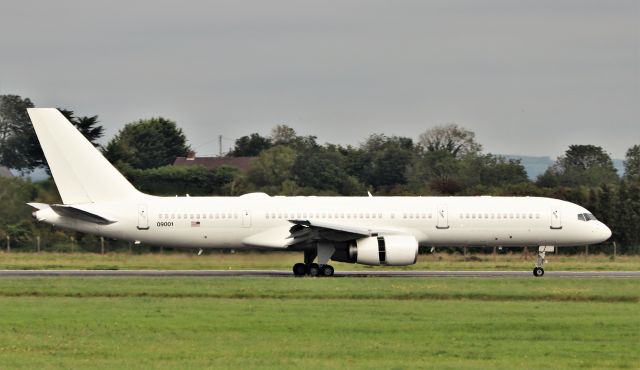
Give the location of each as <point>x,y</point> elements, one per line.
<point>528,77</point>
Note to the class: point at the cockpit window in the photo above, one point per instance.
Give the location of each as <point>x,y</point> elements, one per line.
<point>586,217</point>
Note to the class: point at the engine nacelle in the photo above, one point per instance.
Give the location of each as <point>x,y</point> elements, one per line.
<point>390,250</point>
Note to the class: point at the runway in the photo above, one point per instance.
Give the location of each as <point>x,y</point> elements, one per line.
<point>283,273</point>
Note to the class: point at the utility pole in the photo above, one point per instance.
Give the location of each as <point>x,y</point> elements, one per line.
<point>8,243</point>
<point>38,243</point>
<point>102,245</point>
<point>614,250</point>
<point>220,145</point>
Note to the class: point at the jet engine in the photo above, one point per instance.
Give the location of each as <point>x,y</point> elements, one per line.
<point>390,250</point>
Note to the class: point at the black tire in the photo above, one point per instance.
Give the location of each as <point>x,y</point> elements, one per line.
<point>327,270</point>
<point>314,269</point>
<point>538,271</point>
<point>299,269</point>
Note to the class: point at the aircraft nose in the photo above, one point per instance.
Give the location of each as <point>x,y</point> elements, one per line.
<point>603,231</point>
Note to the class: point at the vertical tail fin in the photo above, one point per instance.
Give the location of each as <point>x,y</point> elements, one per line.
<point>81,173</point>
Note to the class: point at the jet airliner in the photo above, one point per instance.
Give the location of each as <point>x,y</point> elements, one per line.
<point>97,199</point>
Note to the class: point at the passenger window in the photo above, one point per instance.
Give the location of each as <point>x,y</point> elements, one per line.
<point>581,217</point>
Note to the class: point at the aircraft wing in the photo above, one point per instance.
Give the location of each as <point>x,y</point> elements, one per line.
<point>306,231</point>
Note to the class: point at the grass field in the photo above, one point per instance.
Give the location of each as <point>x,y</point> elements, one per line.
<point>284,261</point>
<point>189,323</point>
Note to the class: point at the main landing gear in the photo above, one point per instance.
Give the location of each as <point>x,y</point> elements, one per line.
<point>323,251</point>
<point>313,269</point>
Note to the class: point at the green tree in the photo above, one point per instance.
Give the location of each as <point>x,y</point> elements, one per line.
<point>382,161</point>
<point>17,135</point>
<point>632,164</point>
<point>283,134</point>
<point>15,218</point>
<point>179,180</point>
<point>450,138</point>
<point>324,169</point>
<point>587,165</point>
<point>250,146</point>
<point>437,171</point>
<point>491,170</point>
<point>272,167</point>
<point>147,143</point>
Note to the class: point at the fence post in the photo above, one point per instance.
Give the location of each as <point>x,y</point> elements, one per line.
<point>8,244</point>
<point>494,253</point>
<point>102,245</point>
<point>526,253</point>
<point>614,250</point>
<point>38,243</point>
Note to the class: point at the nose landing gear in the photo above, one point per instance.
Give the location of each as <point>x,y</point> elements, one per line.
<point>538,271</point>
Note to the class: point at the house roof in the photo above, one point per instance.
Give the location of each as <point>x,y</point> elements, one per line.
<point>212,163</point>
<point>4,172</point>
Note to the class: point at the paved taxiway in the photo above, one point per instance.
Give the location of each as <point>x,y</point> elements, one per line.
<point>281,273</point>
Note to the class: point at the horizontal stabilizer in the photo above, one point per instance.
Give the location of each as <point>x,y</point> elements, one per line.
<point>77,212</point>
<point>39,206</point>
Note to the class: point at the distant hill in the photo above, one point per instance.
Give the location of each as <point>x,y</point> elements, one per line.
<point>536,166</point>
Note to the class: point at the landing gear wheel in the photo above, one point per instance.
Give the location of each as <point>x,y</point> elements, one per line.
<point>314,269</point>
<point>299,269</point>
<point>538,271</point>
<point>326,270</point>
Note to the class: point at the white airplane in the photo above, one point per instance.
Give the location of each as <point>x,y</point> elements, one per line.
<point>97,199</point>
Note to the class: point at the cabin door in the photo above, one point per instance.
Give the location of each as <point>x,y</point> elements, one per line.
<point>143,217</point>
<point>246,218</point>
<point>556,219</point>
<point>442,217</point>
